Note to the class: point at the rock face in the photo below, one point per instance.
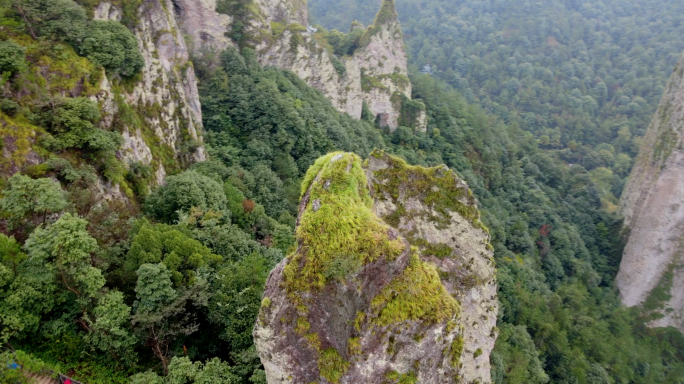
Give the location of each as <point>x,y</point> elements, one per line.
<point>375,74</point>
<point>166,92</point>
<point>392,280</point>
<point>652,268</point>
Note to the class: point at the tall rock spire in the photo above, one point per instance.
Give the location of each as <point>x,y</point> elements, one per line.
<point>653,206</point>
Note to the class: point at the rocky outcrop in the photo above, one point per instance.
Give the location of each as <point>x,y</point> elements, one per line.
<point>166,130</point>
<point>652,268</point>
<point>376,74</point>
<point>392,281</point>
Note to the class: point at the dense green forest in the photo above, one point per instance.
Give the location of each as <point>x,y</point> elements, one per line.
<point>166,289</point>
<point>585,77</point>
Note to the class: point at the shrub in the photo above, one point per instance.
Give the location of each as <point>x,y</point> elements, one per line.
<point>9,107</point>
<point>12,59</point>
<point>112,46</point>
<point>182,192</point>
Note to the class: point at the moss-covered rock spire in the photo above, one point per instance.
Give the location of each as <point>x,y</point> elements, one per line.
<point>392,280</point>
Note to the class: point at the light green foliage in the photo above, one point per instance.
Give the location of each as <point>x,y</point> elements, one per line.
<point>154,288</point>
<point>27,365</point>
<point>338,224</point>
<point>184,371</point>
<point>27,201</point>
<point>180,253</point>
<point>148,377</point>
<point>112,46</point>
<point>416,295</point>
<point>183,192</point>
<point>10,258</point>
<point>110,330</point>
<point>67,246</point>
<point>12,57</point>
<point>331,365</point>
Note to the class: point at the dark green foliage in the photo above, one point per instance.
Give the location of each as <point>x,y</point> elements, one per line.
<point>72,125</point>
<point>112,46</point>
<point>106,43</point>
<point>183,192</point>
<point>269,126</point>
<point>58,19</point>
<point>577,74</point>
<point>9,107</point>
<point>12,60</point>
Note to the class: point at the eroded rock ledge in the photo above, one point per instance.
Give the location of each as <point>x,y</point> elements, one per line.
<point>392,280</point>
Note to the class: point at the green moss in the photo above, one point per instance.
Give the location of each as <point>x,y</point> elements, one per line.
<point>354,346</point>
<point>303,326</point>
<point>368,83</point>
<point>342,234</point>
<point>331,365</point>
<point>455,351</point>
<point>277,28</point>
<point>417,294</point>
<point>406,378</point>
<point>438,188</point>
<point>478,353</point>
<point>266,302</point>
<point>440,250</point>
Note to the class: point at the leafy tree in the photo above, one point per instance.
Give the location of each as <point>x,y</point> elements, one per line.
<point>61,19</point>
<point>65,247</point>
<point>180,253</point>
<point>183,192</point>
<point>110,330</point>
<point>184,371</point>
<point>27,202</point>
<point>161,313</point>
<point>112,46</point>
<point>12,58</point>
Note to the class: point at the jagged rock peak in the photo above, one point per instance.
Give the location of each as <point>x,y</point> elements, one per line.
<point>392,280</point>
<point>387,14</point>
<point>652,267</point>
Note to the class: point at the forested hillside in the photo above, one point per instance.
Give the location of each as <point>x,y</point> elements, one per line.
<point>164,284</point>
<point>585,77</point>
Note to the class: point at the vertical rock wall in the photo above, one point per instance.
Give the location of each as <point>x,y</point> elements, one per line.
<point>164,97</point>
<point>653,206</point>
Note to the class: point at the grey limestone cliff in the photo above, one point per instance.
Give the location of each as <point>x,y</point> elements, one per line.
<point>375,74</point>
<point>392,281</point>
<point>652,268</point>
<point>165,96</point>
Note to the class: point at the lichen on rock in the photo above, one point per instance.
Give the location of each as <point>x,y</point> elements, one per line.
<point>363,299</point>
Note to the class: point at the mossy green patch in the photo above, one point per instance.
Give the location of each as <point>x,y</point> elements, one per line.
<point>368,83</point>
<point>338,231</point>
<point>399,378</point>
<point>417,294</point>
<point>455,351</point>
<point>438,188</point>
<point>331,365</point>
